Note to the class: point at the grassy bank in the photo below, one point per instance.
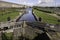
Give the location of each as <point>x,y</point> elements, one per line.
<point>46,18</point>
<point>4,14</point>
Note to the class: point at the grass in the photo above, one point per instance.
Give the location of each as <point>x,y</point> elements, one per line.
<point>4,14</point>
<point>9,36</point>
<point>46,18</point>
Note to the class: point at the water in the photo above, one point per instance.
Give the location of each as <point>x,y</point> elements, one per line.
<point>28,16</point>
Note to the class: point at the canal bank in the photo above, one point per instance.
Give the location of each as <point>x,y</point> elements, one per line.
<point>36,18</point>
<point>16,20</point>
<point>19,16</point>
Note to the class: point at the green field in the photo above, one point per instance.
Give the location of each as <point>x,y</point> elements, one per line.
<point>4,14</point>
<point>46,18</point>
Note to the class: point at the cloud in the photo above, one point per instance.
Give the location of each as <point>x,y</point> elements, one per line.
<point>47,1</point>
<point>39,1</point>
<point>36,2</point>
<point>29,2</point>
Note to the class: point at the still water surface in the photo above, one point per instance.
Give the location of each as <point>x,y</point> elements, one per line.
<point>28,16</point>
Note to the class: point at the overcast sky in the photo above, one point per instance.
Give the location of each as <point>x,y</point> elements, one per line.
<point>35,2</point>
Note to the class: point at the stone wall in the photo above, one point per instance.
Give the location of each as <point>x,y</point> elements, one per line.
<point>26,31</point>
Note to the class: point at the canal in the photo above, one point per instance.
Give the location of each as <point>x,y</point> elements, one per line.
<point>28,16</point>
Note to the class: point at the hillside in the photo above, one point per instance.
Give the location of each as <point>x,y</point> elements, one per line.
<point>9,4</point>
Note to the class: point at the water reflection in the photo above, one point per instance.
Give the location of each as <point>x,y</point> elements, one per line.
<point>28,16</point>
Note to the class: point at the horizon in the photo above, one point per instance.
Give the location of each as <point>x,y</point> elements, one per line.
<point>42,3</point>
